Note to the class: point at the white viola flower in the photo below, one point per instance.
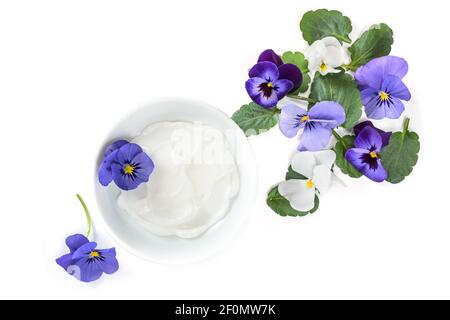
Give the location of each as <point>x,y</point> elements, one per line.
<point>326,55</point>
<point>316,167</point>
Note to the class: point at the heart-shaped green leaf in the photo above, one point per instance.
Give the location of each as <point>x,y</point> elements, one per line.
<point>254,119</point>
<point>375,42</point>
<point>401,155</point>
<point>339,87</point>
<point>316,25</point>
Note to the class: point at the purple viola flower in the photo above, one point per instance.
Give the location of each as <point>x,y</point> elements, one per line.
<point>365,154</point>
<point>85,262</point>
<point>287,71</point>
<point>105,172</point>
<point>127,164</point>
<point>317,123</point>
<point>382,88</point>
<point>385,136</point>
<point>271,80</point>
<point>264,86</point>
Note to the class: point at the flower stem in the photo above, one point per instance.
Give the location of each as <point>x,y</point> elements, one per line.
<point>339,138</point>
<point>406,124</point>
<point>349,67</point>
<point>293,96</point>
<point>88,215</point>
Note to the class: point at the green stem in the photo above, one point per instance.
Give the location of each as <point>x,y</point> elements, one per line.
<point>348,67</point>
<point>293,96</point>
<point>88,216</point>
<point>339,138</point>
<point>406,124</point>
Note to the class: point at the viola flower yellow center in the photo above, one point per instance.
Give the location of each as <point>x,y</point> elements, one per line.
<point>373,155</point>
<point>384,96</point>
<point>94,254</point>
<point>128,169</point>
<point>304,118</point>
<point>310,184</point>
<point>269,85</point>
<point>323,67</point>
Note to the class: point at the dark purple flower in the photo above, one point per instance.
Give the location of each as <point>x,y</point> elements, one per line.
<point>264,86</point>
<point>287,71</point>
<point>385,136</point>
<point>382,88</point>
<point>317,123</point>
<point>270,79</point>
<point>365,154</point>
<point>125,163</point>
<point>85,262</point>
<point>271,56</point>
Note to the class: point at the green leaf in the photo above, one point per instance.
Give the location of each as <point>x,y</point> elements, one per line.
<point>281,206</point>
<point>339,87</point>
<point>291,174</point>
<point>316,25</point>
<point>340,149</point>
<point>401,155</point>
<point>298,59</point>
<point>375,42</point>
<point>254,119</point>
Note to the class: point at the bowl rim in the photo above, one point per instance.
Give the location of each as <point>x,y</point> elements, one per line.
<point>249,204</point>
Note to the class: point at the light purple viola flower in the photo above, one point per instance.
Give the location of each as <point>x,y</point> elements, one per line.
<point>125,163</point>
<point>382,88</point>
<point>317,123</point>
<point>271,79</point>
<point>73,242</point>
<point>131,167</point>
<point>105,172</point>
<point>85,262</point>
<point>114,146</point>
<point>365,154</point>
<point>385,136</point>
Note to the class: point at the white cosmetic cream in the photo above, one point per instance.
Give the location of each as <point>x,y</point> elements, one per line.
<point>193,184</point>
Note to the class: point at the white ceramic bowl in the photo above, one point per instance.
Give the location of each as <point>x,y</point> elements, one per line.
<point>131,235</point>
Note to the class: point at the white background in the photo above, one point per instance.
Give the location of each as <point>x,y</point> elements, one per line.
<point>69,70</point>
